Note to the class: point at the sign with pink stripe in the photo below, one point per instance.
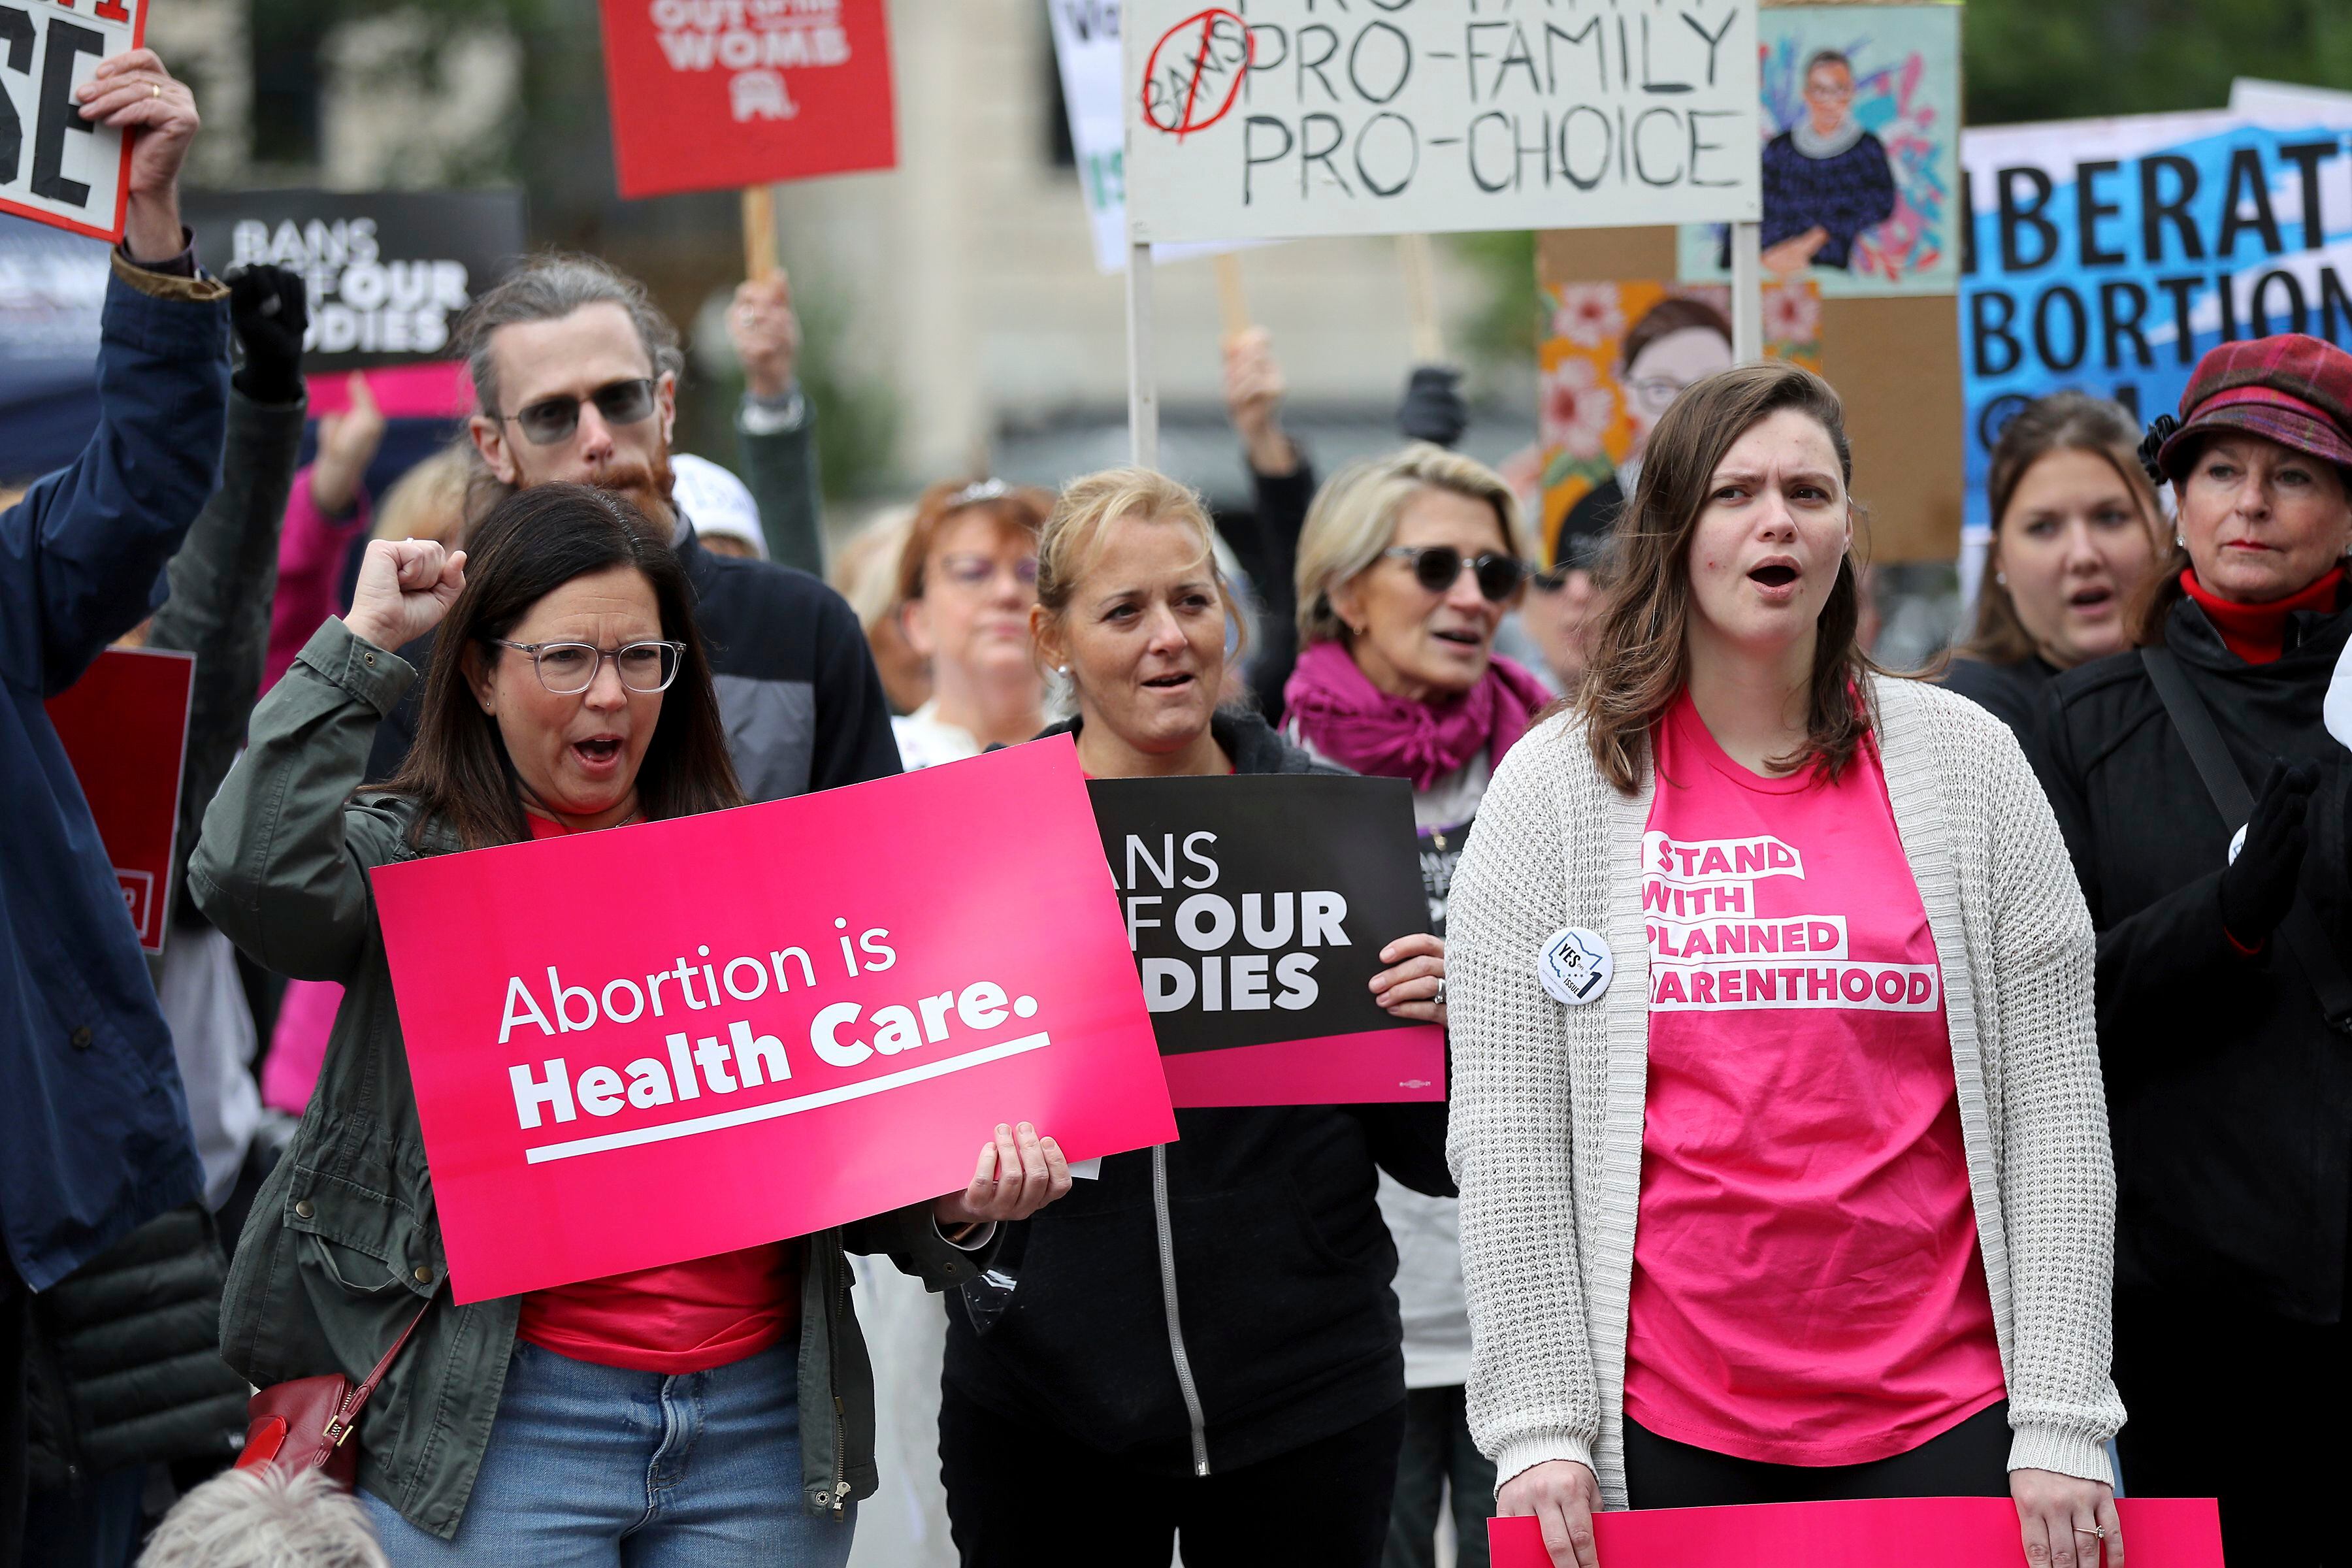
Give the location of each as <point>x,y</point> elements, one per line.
<point>1918,1533</point>
<point>1256,909</point>
<point>659,1043</point>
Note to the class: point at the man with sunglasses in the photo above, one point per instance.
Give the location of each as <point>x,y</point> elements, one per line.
<point>575,372</point>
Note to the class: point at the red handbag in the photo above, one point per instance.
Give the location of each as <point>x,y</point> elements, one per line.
<point>304,1423</point>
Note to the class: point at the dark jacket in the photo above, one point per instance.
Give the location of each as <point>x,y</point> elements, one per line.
<point>1277,1260</point>
<point>2230,1097</point>
<point>217,607</point>
<point>1268,551</point>
<point>125,1365</point>
<point>94,1135</point>
<point>343,1247</point>
<point>797,689</point>
<point>2016,694</point>
<point>777,447</point>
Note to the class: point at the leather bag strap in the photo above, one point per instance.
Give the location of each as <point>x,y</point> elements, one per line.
<point>347,1418</point>
<point>2306,943</point>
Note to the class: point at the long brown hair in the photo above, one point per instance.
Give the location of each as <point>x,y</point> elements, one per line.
<point>2061,422</point>
<point>1641,659</point>
<point>530,545</point>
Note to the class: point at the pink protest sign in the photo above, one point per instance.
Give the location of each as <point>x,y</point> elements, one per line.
<point>1919,1532</point>
<point>657,1043</point>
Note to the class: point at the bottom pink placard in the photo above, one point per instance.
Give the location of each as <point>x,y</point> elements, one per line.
<point>1374,1066</point>
<point>1917,1533</point>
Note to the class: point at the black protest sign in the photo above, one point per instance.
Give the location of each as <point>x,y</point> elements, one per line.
<point>55,166</point>
<point>389,272</point>
<point>1256,908</point>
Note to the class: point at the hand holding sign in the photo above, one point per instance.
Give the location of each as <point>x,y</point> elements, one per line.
<point>1019,1173</point>
<point>1563,1496</point>
<point>406,586</point>
<point>133,91</point>
<point>766,334</point>
<point>1413,986</point>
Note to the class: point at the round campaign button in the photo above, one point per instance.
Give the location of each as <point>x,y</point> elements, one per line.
<point>2238,842</point>
<point>1575,965</point>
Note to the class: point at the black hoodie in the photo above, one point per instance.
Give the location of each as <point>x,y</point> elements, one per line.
<point>2230,1097</point>
<point>1277,1247</point>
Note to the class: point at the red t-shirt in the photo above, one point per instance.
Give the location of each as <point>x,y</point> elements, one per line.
<point>678,1318</point>
<point>1806,1289</point>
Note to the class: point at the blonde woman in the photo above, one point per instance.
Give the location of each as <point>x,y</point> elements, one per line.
<point>1777,1107</point>
<point>1406,568</point>
<point>1207,1348</point>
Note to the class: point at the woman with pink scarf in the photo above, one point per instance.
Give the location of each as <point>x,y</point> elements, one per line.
<point>1406,569</point>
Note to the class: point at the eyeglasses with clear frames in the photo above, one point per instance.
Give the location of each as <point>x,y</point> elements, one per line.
<point>975,571</point>
<point>569,669</point>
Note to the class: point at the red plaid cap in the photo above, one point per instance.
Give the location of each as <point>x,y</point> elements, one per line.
<point>2290,389</point>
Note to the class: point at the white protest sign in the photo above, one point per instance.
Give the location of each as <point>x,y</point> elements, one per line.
<point>1085,47</point>
<point>55,166</point>
<point>1282,118</point>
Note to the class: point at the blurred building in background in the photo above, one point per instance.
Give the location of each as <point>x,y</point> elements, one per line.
<point>957,321</point>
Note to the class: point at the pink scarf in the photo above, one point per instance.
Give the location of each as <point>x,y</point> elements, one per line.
<point>1335,707</point>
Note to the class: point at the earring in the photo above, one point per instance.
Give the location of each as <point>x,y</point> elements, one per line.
<point>1060,670</point>
<point>2180,541</point>
<point>2002,578</point>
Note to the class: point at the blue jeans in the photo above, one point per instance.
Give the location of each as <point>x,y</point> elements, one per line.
<point>590,1467</point>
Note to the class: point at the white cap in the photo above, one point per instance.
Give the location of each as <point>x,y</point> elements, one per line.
<point>715,501</point>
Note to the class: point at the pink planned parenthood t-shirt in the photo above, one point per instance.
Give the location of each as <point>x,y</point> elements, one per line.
<point>1807,1289</point>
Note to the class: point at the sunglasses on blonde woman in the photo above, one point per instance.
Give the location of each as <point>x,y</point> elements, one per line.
<point>1438,567</point>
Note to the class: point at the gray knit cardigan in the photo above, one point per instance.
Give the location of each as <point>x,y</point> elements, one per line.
<point>1546,1135</point>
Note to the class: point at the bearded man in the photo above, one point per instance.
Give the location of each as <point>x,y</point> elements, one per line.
<point>575,375</point>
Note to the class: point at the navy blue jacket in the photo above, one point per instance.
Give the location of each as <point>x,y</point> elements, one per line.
<point>94,1135</point>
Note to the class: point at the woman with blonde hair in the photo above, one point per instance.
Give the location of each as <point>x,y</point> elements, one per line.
<point>1206,1346</point>
<point>1778,1115</point>
<point>2074,539</point>
<point>1406,568</point>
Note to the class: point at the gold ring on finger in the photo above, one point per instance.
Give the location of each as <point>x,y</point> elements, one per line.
<point>155,90</point>
<point>2097,1532</point>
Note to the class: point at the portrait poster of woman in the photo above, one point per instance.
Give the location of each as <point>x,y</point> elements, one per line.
<point>1613,356</point>
<point>1861,125</point>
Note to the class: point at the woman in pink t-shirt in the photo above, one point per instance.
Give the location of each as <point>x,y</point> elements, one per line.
<point>1771,1001</point>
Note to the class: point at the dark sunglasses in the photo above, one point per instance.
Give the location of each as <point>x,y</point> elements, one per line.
<point>1438,567</point>
<point>553,419</point>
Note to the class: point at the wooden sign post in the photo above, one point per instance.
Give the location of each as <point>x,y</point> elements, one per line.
<point>759,232</point>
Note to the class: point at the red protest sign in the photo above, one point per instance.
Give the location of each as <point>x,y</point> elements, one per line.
<point>125,728</point>
<point>718,94</point>
<point>55,166</point>
<point>1920,1533</point>
<point>659,1043</point>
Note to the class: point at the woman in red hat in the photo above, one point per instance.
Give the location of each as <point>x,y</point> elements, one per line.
<point>2205,807</point>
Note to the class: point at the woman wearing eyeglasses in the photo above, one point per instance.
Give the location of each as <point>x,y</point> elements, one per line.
<point>1406,569</point>
<point>967,577</point>
<point>653,1415</point>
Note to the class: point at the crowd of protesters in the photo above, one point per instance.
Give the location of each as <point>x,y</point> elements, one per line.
<point>2055,1202</point>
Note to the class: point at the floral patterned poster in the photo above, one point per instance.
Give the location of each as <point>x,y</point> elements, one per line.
<point>1614,356</point>
<point>1861,128</point>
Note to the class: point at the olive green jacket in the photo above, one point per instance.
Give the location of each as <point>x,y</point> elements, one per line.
<point>343,1247</point>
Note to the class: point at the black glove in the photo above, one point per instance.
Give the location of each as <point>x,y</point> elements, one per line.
<point>270,313</point>
<point>1433,409</point>
<point>2258,887</point>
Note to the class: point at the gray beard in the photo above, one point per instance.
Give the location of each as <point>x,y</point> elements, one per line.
<point>1811,143</point>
